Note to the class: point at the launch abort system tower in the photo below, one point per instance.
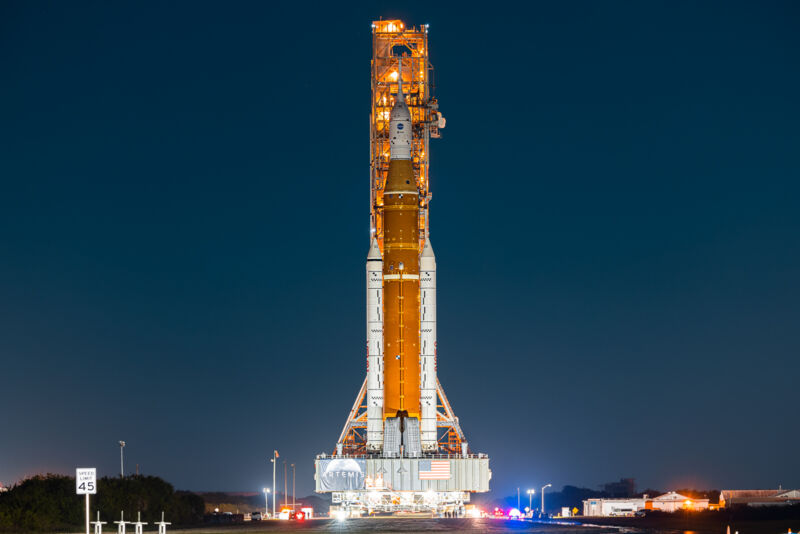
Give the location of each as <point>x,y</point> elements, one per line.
<point>402,448</point>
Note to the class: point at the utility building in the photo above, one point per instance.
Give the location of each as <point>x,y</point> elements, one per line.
<point>668,502</point>
<point>672,502</point>
<point>775,497</point>
<point>612,507</point>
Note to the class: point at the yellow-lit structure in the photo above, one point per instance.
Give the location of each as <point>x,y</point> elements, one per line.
<point>394,43</point>
<point>391,41</point>
<point>402,447</point>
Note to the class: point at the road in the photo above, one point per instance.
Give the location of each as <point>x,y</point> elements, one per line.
<point>402,525</point>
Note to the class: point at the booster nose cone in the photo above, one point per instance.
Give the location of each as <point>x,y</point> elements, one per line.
<point>374,253</point>
<point>427,260</point>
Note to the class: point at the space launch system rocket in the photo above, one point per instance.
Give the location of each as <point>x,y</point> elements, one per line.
<point>397,363</point>
<point>402,447</point>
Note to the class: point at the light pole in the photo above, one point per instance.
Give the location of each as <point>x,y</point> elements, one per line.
<point>274,461</point>
<point>121,460</point>
<point>266,502</point>
<point>292,486</point>
<point>517,498</point>
<point>543,488</point>
<point>285,486</point>
<point>530,493</point>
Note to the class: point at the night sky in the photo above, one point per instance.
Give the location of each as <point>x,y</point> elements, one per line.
<point>184,223</point>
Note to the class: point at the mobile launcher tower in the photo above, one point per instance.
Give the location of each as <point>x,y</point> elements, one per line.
<point>402,448</point>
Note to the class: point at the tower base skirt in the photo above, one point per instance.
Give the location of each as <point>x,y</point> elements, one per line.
<point>433,484</point>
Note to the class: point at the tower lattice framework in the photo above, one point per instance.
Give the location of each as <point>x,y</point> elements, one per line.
<point>392,42</point>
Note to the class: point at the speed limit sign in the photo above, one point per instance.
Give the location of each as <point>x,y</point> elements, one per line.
<point>86,480</point>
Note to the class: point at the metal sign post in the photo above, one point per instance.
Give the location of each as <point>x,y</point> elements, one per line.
<point>86,484</point>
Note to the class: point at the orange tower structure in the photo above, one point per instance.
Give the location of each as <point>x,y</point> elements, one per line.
<point>391,42</point>
<point>402,447</point>
<point>400,66</point>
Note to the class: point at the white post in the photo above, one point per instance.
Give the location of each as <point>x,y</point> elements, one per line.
<point>121,523</point>
<point>98,525</point>
<point>121,460</point>
<point>544,488</point>
<point>162,526</point>
<point>87,513</point>
<point>138,525</point>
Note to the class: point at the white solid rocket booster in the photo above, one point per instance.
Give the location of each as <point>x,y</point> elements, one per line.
<point>427,345</point>
<point>374,348</point>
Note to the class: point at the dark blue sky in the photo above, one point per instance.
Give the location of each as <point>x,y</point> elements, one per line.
<point>184,223</point>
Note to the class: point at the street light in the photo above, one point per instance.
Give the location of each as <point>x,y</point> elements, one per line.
<point>274,463</point>
<point>543,488</point>
<point>121,460</point>
<point>292,486</point>
<point>266,502</point>
<point>530,493</point>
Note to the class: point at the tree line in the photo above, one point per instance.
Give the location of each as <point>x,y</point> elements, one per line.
<point>49,503</point>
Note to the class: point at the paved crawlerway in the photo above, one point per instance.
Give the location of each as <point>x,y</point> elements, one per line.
<point>403,525</point>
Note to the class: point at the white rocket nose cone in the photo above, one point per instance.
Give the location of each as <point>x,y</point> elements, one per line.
<point>374,251</point>
<point>427,260</point>
<point>427,250</point>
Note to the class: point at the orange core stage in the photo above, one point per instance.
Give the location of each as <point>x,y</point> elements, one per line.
<point>401,292</point>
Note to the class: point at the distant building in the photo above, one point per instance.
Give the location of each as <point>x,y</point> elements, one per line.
<point>669,502</point>
<point>626,487</point>
<point>778,497</point>
<point>672,502</point>
<point>612,507</point>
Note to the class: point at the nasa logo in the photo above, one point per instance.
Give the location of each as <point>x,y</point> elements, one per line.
<point>400,126</point>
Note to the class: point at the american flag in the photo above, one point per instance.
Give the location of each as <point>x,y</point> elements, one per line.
<point>434,470</point>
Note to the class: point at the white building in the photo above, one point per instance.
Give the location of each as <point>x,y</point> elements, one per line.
<point>669,502</point>
<point>672,502</point>
<point>612,507</point>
